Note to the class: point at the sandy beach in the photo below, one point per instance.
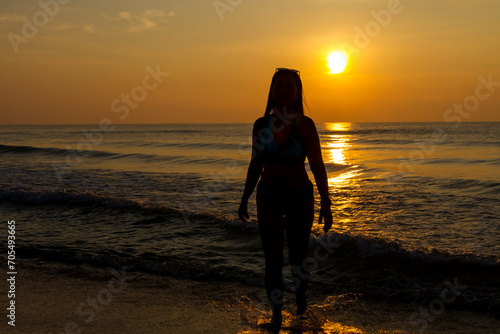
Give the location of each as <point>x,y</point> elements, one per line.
<point>60,298</point>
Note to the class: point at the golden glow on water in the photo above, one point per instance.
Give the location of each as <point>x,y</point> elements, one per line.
<point>337,327</point>
<point>341,126</point>
<point>254,320</point>
<point>337,144</point>
<point>328,328</point>
<point>338,184</point>
<point>344,180</point>
<point>336,150</point>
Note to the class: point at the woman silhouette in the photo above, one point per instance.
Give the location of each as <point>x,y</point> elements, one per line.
<point>282,139</point>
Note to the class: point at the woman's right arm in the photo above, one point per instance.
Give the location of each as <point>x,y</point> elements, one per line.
<point>253,174</point>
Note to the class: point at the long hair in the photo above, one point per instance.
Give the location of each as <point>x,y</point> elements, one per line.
<point>298,104</point>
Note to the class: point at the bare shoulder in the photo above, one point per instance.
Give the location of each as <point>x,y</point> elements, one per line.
<point>259,121</point>
<point>306,124</point>
<point>258,124</point>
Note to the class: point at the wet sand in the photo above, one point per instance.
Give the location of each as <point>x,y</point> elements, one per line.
<point>72,299</point>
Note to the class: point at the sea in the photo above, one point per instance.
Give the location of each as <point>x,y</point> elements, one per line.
<point>415,205</point>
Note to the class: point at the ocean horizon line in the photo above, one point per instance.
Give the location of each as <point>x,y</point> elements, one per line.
<point>233,123</point>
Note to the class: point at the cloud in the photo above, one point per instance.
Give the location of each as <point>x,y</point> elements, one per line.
<point>89,28</point>
<point>124,15</point>
<point>64,26</point>
<point>17,20</point>
<point>10,17</point>
<point>139,22</point>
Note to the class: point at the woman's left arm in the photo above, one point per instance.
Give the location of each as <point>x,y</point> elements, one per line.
<point>313,152</point>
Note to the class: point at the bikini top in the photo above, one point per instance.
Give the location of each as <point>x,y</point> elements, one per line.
<point>290,151</point>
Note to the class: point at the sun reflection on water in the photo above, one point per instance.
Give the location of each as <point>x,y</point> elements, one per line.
<point>343,177</point>
<point>330,317</point>
<point>337,143</point>
<point>344,180</point>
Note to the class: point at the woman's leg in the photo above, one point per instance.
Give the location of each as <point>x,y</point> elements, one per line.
<point>298,225</point>
<point>271,233</point>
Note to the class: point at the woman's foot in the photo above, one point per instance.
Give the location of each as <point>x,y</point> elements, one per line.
<point>275,324</point>
<point>277,320</point>
<point>301,305</point>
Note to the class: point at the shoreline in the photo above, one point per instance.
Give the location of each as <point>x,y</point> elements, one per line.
<point>76,299</point>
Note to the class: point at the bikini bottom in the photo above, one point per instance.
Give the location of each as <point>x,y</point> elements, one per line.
<point>285,201</point>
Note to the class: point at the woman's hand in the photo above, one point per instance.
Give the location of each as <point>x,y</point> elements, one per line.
<point>326,213</point>
<point>243,211</point>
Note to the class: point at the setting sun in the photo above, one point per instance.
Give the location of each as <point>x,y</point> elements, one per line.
<point>337,61</point>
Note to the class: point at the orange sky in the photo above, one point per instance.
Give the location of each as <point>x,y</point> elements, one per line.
<point>84,61</point>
